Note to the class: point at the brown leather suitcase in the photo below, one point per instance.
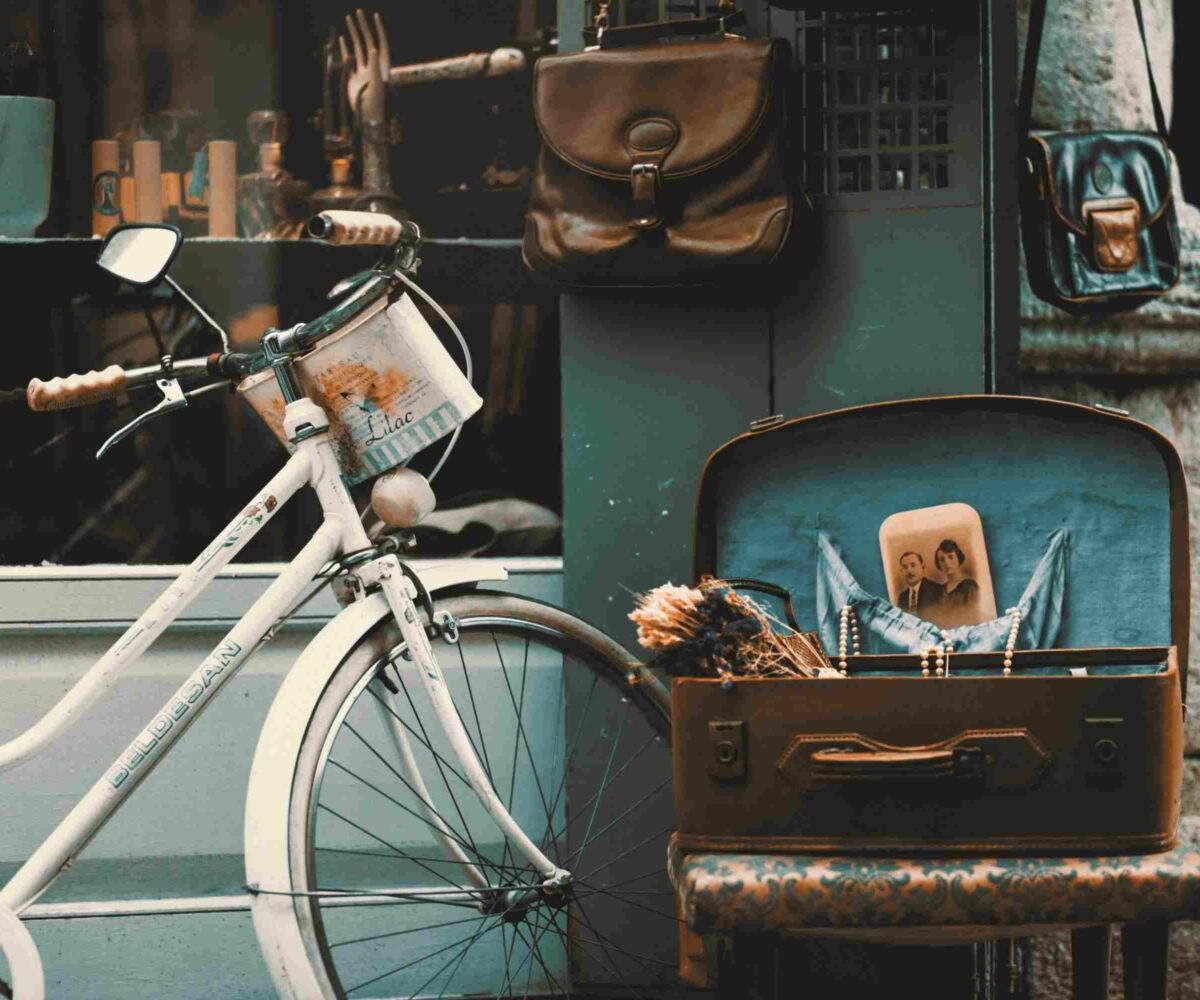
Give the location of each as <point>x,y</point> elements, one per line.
<point>1079,750</point>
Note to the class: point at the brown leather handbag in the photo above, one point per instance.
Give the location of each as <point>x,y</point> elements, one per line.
<point>661,163</point>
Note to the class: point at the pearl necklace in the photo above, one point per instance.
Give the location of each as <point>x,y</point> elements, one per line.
<point>941,657</point>
<point>848,629</point>
<point>848,638</point>
<point>1012,639</point>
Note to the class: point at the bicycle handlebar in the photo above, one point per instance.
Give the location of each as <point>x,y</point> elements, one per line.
<point>358,228</point>
<point>65,391</point>
<point>61,392</point>
<point>335,227</point>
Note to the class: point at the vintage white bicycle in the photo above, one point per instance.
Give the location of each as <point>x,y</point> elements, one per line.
<point>489,854</point>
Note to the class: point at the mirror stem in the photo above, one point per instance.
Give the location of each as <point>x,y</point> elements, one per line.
<point>203,315</point>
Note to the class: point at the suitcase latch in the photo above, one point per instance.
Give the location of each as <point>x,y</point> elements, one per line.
<point>728,757</point>
<point>971,762</point>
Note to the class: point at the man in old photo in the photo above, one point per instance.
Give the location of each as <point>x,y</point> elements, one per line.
<point>919,592</point>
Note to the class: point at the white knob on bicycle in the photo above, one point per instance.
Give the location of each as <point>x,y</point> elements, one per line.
<point>402,498</point>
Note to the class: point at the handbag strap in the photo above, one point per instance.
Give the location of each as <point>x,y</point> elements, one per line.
<point>607,37</point>
<point>1033,45</point>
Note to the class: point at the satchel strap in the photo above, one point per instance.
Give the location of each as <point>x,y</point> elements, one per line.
<point>1033,45</point>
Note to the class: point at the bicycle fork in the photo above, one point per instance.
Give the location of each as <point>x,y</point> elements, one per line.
<point>386,572</point>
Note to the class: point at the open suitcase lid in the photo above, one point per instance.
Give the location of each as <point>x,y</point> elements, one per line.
<point>1029,467</point>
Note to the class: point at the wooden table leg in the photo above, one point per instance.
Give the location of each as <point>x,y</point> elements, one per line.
<point>1144,949</point>
<point>1091,950</point>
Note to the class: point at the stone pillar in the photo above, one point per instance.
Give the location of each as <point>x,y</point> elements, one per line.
<point>1092,74</point>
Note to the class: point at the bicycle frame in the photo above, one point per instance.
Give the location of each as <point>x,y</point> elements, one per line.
<point>313,464</point>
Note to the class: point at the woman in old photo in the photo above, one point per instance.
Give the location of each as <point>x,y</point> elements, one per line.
<point>961,592</point>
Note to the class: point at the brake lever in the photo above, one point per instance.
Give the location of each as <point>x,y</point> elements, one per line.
<point>173,399</point>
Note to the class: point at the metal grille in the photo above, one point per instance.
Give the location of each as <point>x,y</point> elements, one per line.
<point>874,100</point>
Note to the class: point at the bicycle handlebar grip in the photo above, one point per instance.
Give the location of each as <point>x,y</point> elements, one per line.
<point>75,390</point>
<point>355,228</point>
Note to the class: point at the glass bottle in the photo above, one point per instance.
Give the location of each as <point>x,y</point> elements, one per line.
<point>272,204</point>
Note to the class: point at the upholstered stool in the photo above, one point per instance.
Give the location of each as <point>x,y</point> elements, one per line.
<point>948,900</point>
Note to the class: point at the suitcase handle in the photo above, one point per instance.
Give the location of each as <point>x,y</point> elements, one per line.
<point>897,765</point>
<point>775,591</point>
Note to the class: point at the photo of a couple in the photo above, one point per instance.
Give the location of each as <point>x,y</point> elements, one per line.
<point>936,565</point>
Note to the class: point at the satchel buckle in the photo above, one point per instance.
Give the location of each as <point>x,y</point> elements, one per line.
<point>1113,225</point>
<point>644,178</point>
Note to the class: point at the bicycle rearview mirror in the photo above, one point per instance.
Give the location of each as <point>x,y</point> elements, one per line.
<point>140,253</point>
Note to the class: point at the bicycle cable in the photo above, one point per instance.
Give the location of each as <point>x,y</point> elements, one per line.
<point>468,368</point>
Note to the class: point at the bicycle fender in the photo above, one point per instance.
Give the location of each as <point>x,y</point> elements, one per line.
<point>276,923</point>
<point>457,572</point>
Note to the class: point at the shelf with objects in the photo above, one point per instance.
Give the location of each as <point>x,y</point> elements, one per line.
<point>236,123</point>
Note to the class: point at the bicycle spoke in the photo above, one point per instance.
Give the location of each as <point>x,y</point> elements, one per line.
<point>522,736</point>
<point>432,871</point>
<point>445,827</point>
<point>602,938</point>
<point>454,972</point>
<point>603,781</point>
<point>534,952</point>
<point>607,955</point>
<point>600,791</point>
<point>511,940</point>
<point>437,758</point>
<point>409,930</point>
<point>637,878</point>
<point>626,853</point>
<point>417,736</point>
<point>394,857</point>
<point>487,764</point>
<point>472,938</point>
<point>630,902</point>
<point>610,825</point>
<point>449,831</point>
<point>574,742</point>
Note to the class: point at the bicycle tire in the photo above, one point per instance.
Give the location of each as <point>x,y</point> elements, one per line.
<point>543,680</point>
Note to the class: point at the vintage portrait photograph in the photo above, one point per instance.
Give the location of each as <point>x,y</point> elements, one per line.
<point>936,564</point>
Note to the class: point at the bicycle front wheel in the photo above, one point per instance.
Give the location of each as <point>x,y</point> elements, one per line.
<point>404,885</point>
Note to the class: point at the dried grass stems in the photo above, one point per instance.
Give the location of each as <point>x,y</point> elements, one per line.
<point>713,631</point>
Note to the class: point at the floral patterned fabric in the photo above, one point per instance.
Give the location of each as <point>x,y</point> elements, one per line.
<point>751,893</point>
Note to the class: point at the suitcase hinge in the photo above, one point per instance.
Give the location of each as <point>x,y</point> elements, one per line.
<point>765,423</point>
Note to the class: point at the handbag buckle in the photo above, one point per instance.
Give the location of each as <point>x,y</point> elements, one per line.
<point>1113,225</point>
<point>644,178</point>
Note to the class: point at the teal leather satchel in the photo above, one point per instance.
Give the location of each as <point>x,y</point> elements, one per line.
<point>1097,213</point>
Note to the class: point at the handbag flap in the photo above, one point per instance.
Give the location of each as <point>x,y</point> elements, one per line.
<point>1086,169</point>
<point>685,106</point>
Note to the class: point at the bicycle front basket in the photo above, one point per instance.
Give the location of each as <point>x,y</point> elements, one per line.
<point>388,385</point>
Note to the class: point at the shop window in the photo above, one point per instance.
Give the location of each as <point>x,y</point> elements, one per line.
<point>183,73</point>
